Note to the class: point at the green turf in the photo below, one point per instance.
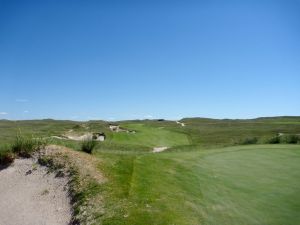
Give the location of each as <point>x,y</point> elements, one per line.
<point>150,136</point>
<point>236,185</point>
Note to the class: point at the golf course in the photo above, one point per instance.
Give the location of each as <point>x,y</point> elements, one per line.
<point>149,112</point>
<point>208,172</point>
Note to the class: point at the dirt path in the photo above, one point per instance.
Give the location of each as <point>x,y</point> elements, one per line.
<point>31,196</point>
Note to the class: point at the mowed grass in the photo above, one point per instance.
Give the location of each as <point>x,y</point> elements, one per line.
<point>257,184</point>
<point>251,185</point>
<point>150,136</point>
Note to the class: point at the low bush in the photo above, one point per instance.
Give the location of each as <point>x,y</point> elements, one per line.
<point>273,140</point>
<point>76,127</point>
<point>88,145</point>
<point>249,141</point>
<point>289,139</point>
<point>283,139</point>
<point>25,146</point>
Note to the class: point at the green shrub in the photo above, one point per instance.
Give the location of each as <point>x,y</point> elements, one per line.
<point>273,140</point>
<point>76,127</point>
<point>6,156</point>
<point>249,141</point>
<point>88,145</point>
<point>25,147</point>
<point>289,139</point>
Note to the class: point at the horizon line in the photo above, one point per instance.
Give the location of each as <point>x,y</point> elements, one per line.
<point>154,119</point>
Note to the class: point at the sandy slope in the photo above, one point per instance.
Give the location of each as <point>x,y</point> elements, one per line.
<point>31,196</point>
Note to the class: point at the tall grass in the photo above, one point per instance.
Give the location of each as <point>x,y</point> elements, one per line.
<point>284,139</point>
<point>273,140</point>
<point>248,141</point>
<point>26,146</point>
<point>88,145</point>
<point>277,139</point>
<point>290,139</point>
<point>6,156</point>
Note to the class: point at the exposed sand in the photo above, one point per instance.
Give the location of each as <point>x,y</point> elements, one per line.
<point>31,196</point>
<point>182,124</point>
<point>159,149</point>
<point>74,137</point>
<point>80,138</point>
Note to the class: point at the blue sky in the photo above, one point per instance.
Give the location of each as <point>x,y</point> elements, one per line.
<point>116,60</point>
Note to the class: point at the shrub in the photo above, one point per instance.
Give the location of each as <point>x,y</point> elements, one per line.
<point>88,145</point>
<point>25,147</point>
<point>249,141</point>
<point>289,139</point>
<point>273,140</point>
<point>6,156</point>
<point>76,127</point>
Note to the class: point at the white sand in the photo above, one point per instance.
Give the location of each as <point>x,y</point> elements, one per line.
<point>182,124</point>
<point>159,149</point>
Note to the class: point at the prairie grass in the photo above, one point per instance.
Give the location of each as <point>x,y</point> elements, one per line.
<point>88,145</point>
<point>6,155</point>
<point>26,146</point>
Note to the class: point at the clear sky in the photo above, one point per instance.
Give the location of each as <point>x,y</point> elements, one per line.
<point>116,60</point>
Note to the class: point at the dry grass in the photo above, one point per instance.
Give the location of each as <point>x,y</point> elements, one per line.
<point>87,164</point>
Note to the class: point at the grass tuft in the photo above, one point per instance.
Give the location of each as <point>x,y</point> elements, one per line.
<point>88,145</point>
<point>25,146</point>
<point>6,156</point>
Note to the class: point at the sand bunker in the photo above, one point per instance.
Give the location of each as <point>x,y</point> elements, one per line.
<point>32,196</point>
<point>159,149</point>
<point>117,129</point>
<point>182,124</point>
<point>87,136</point>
